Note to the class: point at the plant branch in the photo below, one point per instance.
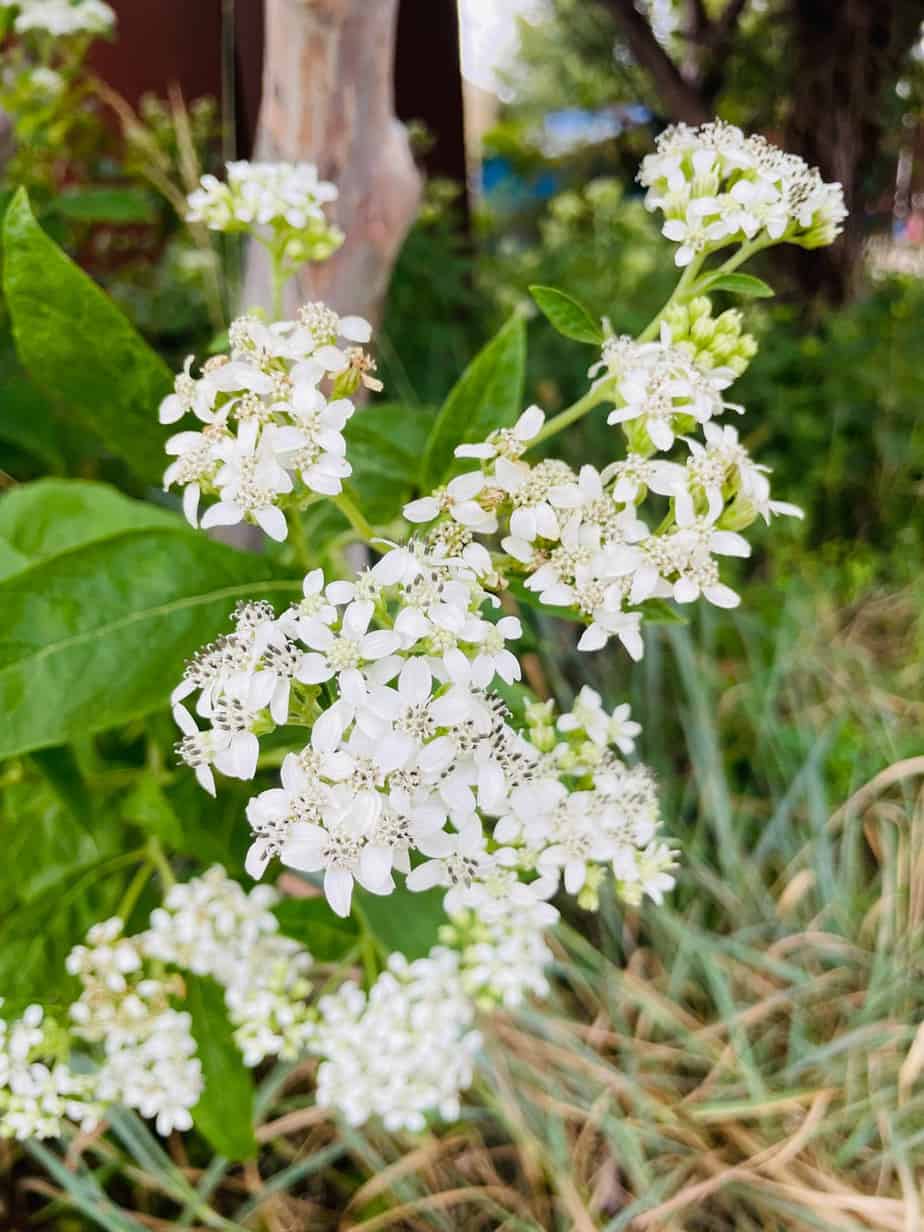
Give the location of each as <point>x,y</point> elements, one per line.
<point>680,97</point>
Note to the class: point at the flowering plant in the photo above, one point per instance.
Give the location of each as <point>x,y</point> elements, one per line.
<point>413,761</point>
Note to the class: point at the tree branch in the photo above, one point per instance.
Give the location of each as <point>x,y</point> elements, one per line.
<point>680,98</point>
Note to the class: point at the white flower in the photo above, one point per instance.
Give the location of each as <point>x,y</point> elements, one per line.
<point>587,715</point>
<point>507,442</point>
<point>62,18</point>
<point>403,1051</point>
<point>262,193</point>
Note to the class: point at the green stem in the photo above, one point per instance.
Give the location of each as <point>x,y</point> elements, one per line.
<point>594,396</point>
<point>299,542</point>
<point>349,510</point>
<point>133,893</point>
<point>158,858</point>
<point>278,282</point>
<point>682,291</point>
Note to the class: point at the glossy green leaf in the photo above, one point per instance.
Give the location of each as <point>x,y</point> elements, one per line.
<point>312,922</point>
<point>49,516</point>
<point>11,560</point>
<point>27,418</point>
<point>224,1113</point>
<point>568,316</point>
<point>488,395</point>
<point>385,443</point>
<point>79,348</point>
<point>744,285</point>
<point>404,921</point>
<point>99,634</point>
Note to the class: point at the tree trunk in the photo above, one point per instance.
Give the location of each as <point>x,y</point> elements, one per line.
<point>846,52</point>
<point>328,98</point>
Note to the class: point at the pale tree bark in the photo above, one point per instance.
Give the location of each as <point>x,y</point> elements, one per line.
<point>328,98</point>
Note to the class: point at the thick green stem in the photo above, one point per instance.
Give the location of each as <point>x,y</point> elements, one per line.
<point>682,291</point>
<point>354,517</point>
<point>278,281</point>
<point>299,542</point>
<point>594,396</point>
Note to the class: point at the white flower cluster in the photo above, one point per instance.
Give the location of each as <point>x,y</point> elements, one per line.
<point>581,538</point>
<point>210,926</point>
<point>287,199</point>
<point>412,766</point>
<point>64,18</point>
<point>715,186</point>
<point>39,1091</point>
<point>149,1054</point>
<point>404,1049</point>
<point>267,418</point>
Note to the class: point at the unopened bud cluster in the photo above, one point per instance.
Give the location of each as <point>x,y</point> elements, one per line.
<point>711,342</point>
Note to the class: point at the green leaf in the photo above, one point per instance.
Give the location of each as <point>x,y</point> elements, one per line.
<point>404,921</point>
<point>385,443</point>
<point>147,806</point>
<point>739,284</point>
<point>60,768</point>
<point>567,315</point>
<point>79,348</point>
<point>99,634</point>
<point>488,395</point>
<point>224,1113</point>
<point>49,516</point>
<point>27,418</point>
<point>660,612</point>
<point>98,203</point>
<point>312,922</point>
<point>11,560</point>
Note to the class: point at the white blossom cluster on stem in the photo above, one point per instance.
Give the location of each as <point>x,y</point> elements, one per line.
<point>600,542</point>
<point>272,414</point>
<point>38,1089</point>
<point>405,1048</point>
<point>412,768</point>
<point>63,18</point>
<point>280,204</point>
<point>715,185</point>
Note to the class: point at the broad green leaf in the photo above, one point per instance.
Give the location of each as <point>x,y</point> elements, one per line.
<point>224,1113</point>
<point>567,315</point>
<point>27,418</point>
<point>60,768</point>
<point>36,935</point>
<point>99,203</point>
<point>98,635</point>
<point>404,921</point>
<point>54,515</point>
<point>11,560</point>
<point>312,922</point>
<point>488,395</point>
<point>739,284</point>
<point>79,348</point>
<point>385,443</point>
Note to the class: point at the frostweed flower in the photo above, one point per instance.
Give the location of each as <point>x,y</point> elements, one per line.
<point>281,203</point>
<point>404,1049</point>
<point>64,18</point>
<point>715,185</point>
<point>39,1092</point>
<point>211,926</point>
<point>586,541</point>
<point>272,414</point>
